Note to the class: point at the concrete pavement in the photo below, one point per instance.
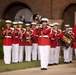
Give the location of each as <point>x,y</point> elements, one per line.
<point>61,69</point>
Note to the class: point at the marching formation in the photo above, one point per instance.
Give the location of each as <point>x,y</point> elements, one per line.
<point>40,41</point>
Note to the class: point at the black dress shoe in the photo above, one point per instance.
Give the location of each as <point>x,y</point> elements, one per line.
<point>55,64</point>
<point>66,62</point>
<point>45,68</point>
<point>42,68</point>
<point>70,61</point>
<point>27,61</point>
<point>50,64</point>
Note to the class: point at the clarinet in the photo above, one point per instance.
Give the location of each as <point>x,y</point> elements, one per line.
<point>16,32</point>
<point>7,32</point>
<point>29,37</point>
<point>22,32</point>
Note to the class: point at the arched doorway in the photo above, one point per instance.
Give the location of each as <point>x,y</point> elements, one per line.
<point>69,15</point>
<point>24,15</point>
<point>16,11</point>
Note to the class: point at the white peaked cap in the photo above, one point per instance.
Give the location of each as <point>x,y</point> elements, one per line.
<point>15,23</point>
<point>67,25</point>
<point>27,24</point>
<point>45,19</point>
<point>56,24</point>
<point>33,23</point>
<point>70,28</point>
<point>51,25</point>
<point>8,21</point>
<point>20,22</point>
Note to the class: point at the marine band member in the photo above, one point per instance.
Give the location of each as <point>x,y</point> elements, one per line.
<point>7,42</point>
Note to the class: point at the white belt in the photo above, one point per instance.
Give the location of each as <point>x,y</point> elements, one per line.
<point>46,36</point>
<point>7,36</point>
<point>52,39</point>
<point>36,35</point>
<point>27,40</point>
<point>16,36</point>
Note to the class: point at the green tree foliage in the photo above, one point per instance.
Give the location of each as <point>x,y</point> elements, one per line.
<point>1,48</point>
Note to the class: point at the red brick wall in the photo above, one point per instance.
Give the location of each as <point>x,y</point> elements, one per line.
<point>41,6</point>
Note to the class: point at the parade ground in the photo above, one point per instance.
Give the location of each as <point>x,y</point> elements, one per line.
<point>61,69</point>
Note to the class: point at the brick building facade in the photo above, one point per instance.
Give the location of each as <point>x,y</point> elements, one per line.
<point>62,11</point>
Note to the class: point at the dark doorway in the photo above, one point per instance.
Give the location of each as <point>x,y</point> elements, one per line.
<point>69,15</point>
<point>11,12</point>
